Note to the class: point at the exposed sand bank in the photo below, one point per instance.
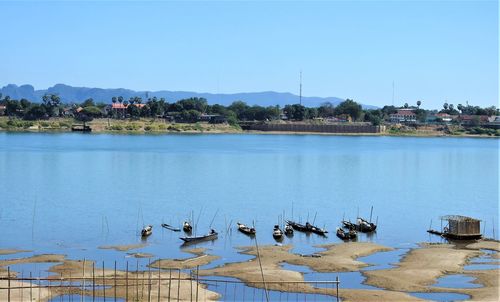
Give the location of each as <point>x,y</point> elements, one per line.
<point>200,259</point>
<point>272,256</point>
<point>486,244</point>
<point>12,251</point>
<point>20,295</point>
<point>138,289</point>
<point>421,267</point>
<point>45,258</point>
<point>124,247</point>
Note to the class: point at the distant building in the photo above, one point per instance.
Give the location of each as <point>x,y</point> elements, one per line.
<point>403,115</point>
<point>2,109</point>
<point>470,120</point>
<point>445,117</point>
<point>212,118</point>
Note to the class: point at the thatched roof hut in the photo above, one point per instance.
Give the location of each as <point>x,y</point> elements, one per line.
<point>462,227</point>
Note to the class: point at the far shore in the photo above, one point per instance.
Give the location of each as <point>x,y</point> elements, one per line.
<point>157,127</point>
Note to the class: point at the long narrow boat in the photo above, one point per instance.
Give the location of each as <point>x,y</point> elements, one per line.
<point>210,236</point>
<point>245,229</point>
<point>308,228</point>
<point>288,230</point>
<point>169,227</point>
<point>146,231</point>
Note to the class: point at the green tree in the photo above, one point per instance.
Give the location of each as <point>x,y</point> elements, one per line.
<point>133,111</point>
<point>92,111</point>
<point>350,108</point>
<point>419,103</point>
<point>36,112</point>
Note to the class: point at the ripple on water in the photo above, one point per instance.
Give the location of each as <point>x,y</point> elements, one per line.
<point>456,281</point>
<point>231,289</point>
<point>442,297</point>
<point>347,279</point>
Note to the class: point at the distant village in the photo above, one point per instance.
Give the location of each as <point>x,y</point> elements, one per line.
<point>197,110</point>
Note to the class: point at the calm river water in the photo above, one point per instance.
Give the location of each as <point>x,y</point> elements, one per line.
<point>70,193</point>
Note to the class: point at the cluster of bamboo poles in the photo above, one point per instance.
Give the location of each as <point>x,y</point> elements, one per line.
<point>136,288</point>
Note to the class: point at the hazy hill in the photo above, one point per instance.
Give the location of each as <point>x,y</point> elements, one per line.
<point>79,94</point>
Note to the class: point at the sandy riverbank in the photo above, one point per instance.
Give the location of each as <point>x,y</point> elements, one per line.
<point>124,247</point>
<point>201,258</point>
<point>417,271</point>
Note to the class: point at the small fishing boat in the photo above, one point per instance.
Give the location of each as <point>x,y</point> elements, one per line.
<point>277,233</point>
<point>169,227</point>
<point>146,231</point>
<point>245,229</point>
<point>210,236</point>
<point>350,234</point>
<point>318,231</point>
<point>186,227</point>
<point>288,230</point>
<point>349,225</point>
<point>308,228</point>
<point>361,225</point>
<point>365,226</point>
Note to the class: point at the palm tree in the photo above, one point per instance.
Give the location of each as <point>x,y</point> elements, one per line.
<point>113,100</point>
<point>120,99</point>
<point>406,105</point>
<point>418,104</point>
<point>460,107</point>
<point>131,101</point>
<point>445,106</point>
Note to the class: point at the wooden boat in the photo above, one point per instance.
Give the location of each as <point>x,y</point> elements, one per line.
<point>169,227</point>
<point>210,236</point>
<point>349,225</point>
<point>288,230</point>
<point>365,226</point>
<point>277,233</point>
<point>308,228</point>
<point>362,225</point>
<point>351,234</point>
<point>245,229</point>
<point>146,231</point>
<point>186,227</point>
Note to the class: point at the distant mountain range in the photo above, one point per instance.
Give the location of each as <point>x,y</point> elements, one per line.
<point>80,94</point>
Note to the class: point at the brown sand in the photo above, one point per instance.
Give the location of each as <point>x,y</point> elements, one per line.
<point>19,295</point>
<point>486,244</point>
<point>124,247</point>
<point>141,255</point>
<point>45,258</point>
<point>12,251</point>
<point>421,267</point>
<point>201,259</point>
<point>272,256</point>
<point>138,289</point>
<point>340,257</point>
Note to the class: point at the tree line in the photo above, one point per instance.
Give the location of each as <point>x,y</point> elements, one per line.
<point>190,110</point>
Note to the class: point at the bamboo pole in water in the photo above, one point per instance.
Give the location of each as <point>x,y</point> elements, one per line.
<point>179,286</point>
<point>169,283</point>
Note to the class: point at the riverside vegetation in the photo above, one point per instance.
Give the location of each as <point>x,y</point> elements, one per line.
<point>196,115</point>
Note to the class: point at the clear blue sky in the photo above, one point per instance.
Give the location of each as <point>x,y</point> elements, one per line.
<point>434,51</point>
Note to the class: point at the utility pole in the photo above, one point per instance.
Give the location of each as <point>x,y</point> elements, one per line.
<point>393,93</point>
<point>300,88</point>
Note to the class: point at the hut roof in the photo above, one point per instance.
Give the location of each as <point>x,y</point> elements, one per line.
<point>458,218</point>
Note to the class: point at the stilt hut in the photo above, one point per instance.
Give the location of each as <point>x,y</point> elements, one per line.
<point>461,227</point>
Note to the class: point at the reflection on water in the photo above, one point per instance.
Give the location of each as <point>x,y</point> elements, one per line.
<point>442,297</point>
